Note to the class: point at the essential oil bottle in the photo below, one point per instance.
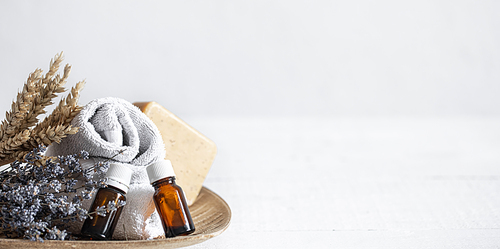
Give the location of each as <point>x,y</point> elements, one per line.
<point>98,227</point>
<point>170,200</point>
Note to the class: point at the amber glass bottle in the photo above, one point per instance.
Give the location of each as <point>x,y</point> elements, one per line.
<point>99,227</point>
<point>170,200</point>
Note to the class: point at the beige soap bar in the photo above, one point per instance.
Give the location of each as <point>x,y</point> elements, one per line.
<point>190,152</point>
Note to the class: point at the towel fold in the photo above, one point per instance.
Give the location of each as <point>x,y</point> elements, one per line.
<point>114,128</point>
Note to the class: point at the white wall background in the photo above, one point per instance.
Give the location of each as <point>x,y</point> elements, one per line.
<point>270,58</point>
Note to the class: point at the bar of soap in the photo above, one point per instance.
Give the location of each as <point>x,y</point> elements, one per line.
<point>190,152</point>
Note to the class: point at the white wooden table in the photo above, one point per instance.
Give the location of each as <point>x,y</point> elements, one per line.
<point>356,182</point>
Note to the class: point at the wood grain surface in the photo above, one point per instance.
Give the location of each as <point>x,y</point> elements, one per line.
<point>357,182</point>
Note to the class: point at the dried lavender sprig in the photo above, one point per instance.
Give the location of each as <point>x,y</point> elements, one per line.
<point>31,202</point>
<point>107,160</point>
<point>101,211</point>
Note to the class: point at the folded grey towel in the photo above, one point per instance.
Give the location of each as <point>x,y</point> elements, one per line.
<point>108,126</point>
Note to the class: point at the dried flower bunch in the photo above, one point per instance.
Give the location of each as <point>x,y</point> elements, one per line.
<point>20,132</point>
<point>35,200</point>
<point>40,195</point>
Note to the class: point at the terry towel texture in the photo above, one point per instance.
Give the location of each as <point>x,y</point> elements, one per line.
<point>106,127</point>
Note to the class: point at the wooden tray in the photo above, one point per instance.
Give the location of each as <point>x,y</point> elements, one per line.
<point>210,213</point>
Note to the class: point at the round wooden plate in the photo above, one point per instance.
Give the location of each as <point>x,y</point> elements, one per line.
<point>210,213</point>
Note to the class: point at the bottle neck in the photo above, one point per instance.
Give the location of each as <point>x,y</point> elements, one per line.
<point>164,181</point>
<point>116,189</point>
<point>116,183</point>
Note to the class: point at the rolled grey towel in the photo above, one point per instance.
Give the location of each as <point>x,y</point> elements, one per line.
<point>108,126</point>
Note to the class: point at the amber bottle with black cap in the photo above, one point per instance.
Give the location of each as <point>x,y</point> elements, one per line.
<point>99,227</point>
<point>170,200</point>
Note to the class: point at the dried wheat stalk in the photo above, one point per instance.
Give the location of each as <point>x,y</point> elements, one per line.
<point>20,132</point>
